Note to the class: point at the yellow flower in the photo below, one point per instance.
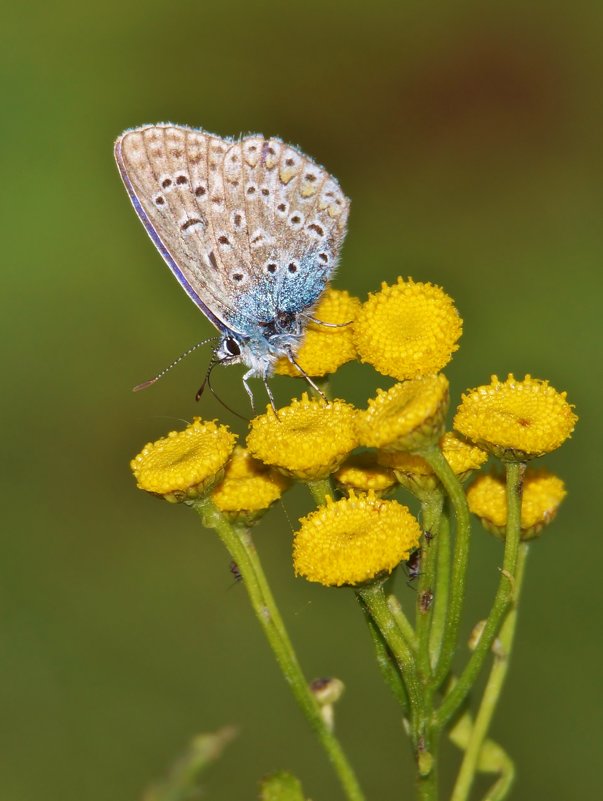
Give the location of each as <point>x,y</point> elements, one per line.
<point>408,416</point>
<point>414,473</point>
<point>325,349</point>
<point>185,464</point>
<point>407,330</point>
<point>353,540</point>
<point>248,489</point>
<point>362,473</point>
<point>516,420</point>
<point>542,496</point>
<point>308,440</point>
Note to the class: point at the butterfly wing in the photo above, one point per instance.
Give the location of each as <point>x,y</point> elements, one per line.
<point>173,175</point>
<point>249,228</point>
<point>294,216</point>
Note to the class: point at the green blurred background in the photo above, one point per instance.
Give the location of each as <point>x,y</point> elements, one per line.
<point>468,137</point>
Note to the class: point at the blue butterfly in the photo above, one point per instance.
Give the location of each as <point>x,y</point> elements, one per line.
<point>251,228</point>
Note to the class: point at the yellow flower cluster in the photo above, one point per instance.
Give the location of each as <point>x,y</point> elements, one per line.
<point>185,464</point>
<point>516,420</point>
<point>308,440</point>
<point>542,495</point>
<point>407,417</point>
<point>408,330</point>
<point>248,489</point>
<point>353,540</point>
<point>362,472</point>
<point>326,347</point>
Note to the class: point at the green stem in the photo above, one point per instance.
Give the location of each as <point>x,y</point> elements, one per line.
<point>403,623</point>
<point>373,597</point>
<point>454,490</point>
<point>240,546</point>
<point>503,597</point>
<point>442,589</point>
<point>431,508</point>
<point>387,664</point>
<point>492,690</point>
<point>321,489</point>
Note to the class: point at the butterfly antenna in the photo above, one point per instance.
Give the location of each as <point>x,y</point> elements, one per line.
<point>305,375</point>
<point>182,356</point>
<point>207,383</point>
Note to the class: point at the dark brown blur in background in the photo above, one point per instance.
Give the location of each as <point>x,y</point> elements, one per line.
<point>469,139</point>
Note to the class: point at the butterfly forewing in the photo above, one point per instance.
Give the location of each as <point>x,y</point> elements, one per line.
<point>172,174</point>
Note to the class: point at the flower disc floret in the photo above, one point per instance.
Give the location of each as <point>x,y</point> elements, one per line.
<point>516,420</point>
<point>362,473</point>
<point>354,540</point>
<point>409,416</point>
<point>185,464</point>
<point>408,330</point>
<point>248,489</point>
<point>542,495</point>
<point>307,440</point>
<point>324,348</point>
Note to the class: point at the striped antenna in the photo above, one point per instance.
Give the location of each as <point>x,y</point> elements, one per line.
<point>182,356</point>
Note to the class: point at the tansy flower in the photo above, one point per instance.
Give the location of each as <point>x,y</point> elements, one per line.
<point>362,473</point>
<point>414,473</point>
<point>354,540</point>
<point>516,420</point>
<point>407,330</point>
<point>408,416</point>
<point>324,349</point>
<point>308,440</point>
<point>185,464</point>
<point>541,497</point>
<point>248,489</point>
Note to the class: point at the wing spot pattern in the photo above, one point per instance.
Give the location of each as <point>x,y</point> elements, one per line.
<point>192,221</point>
<point>316,229</point>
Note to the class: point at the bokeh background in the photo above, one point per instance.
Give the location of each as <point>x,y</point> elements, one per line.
<point>468,136</point>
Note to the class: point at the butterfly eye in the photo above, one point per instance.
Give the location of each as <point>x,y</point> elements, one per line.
<point>232,347</point>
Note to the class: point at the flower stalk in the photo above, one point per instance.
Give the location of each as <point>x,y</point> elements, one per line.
<point>240,546</point>
<point>454,490</point>
<point>504,593</point>
<point>492,691</point>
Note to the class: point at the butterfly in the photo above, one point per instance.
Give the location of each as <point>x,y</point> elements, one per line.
<point>251,228</point>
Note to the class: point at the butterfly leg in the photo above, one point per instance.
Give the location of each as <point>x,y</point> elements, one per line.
<point>247,375</point>
<point>305,375</point>
<point>270,396</point>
